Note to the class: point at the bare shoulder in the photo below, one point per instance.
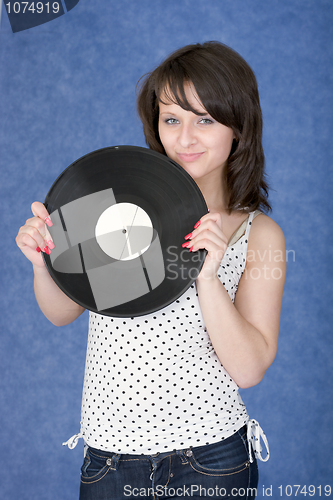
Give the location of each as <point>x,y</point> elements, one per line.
<point>265,232</point>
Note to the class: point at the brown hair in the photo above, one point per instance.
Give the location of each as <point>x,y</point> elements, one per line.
<point>227,89</point>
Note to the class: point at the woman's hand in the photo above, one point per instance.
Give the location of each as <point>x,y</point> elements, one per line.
<point>208,234</point>
<point>34,237</point>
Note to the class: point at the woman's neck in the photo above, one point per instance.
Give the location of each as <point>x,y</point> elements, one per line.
<point>214,194</point>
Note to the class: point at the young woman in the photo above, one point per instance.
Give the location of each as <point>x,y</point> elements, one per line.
<point>161,413</point>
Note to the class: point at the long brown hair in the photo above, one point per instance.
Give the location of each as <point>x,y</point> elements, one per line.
<point>228,90</point>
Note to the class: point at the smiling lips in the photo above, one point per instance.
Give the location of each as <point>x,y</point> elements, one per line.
<point>189,157</point>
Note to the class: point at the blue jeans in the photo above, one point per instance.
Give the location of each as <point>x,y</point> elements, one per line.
<point>216,471</point>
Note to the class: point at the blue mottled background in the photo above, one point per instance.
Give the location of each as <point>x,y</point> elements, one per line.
<point>67,88</point>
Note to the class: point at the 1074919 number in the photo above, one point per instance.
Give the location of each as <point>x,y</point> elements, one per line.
<point>32,7</point>
<point>299,490</point>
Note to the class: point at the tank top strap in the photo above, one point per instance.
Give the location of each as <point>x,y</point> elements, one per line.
<point>248,225</point>
<point>244,228</point>
<point>250,219</point>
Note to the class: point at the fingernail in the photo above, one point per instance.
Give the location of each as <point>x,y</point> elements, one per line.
<point>47,250</point>
<point>190,249</point>
<point>188,236</point>
<point>186,244</point>
<point>38,249</point>
<point>197,224</point>
<point>208,210</point>
<point>50,244</point>
<point>48,221</point>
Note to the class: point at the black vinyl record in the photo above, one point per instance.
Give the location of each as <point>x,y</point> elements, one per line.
<point>119,217</point>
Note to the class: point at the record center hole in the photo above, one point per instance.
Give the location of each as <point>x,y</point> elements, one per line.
<point>124,231</point>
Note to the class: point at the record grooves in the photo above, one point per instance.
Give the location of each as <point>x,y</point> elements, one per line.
<point>119,217</point>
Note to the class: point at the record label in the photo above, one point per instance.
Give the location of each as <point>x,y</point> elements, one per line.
<point>124,231</point>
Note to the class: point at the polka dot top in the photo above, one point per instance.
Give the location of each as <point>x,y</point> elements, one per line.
<point>154,383</point>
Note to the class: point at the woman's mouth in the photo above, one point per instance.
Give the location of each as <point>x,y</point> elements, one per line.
<point>189,157</point>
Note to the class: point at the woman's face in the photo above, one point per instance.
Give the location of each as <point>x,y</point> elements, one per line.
<point>199,144</point>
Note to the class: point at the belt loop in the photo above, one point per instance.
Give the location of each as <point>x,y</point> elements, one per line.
<point>183,454</point>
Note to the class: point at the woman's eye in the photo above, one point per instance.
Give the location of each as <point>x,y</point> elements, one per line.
<point>206,121</point>
<point>171,121</point>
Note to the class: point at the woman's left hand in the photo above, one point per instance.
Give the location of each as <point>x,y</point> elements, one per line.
<point>208,234</point>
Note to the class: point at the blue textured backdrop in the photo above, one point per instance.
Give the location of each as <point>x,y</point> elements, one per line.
<point>68,87</point>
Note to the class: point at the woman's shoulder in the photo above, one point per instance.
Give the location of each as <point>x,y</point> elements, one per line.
<point>265,232</point>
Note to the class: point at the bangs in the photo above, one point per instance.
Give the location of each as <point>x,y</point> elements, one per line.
<point>173,91</point>
<point>173,82</point>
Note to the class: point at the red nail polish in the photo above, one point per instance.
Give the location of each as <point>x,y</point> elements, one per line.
<point>50,244</point>
<point>197,224</point>
<point>190,249</point>
<point>48,221</point>
<point>47,250</point>
<point>38,249</point>
<point>188,236</point>
<point>186,244</point>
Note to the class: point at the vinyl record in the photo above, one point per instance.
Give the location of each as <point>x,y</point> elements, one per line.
<point>119,217</point>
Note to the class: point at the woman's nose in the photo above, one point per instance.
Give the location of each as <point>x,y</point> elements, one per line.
<point>187,136</point>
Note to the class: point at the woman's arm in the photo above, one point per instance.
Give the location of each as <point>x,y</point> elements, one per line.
<point>245,334</point>
<point>54,304</point>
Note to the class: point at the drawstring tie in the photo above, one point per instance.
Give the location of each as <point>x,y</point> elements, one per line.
<point>254,433</point>
<point>72,442</point>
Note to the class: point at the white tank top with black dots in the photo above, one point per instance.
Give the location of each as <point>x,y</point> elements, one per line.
<point>154,383</point>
